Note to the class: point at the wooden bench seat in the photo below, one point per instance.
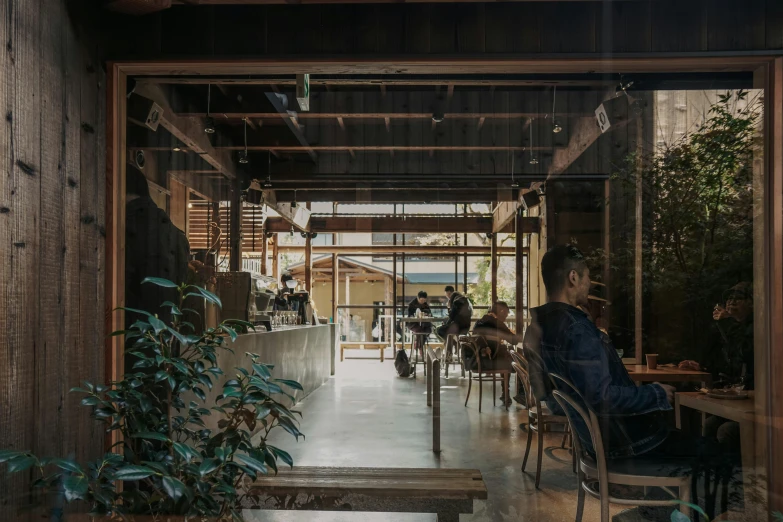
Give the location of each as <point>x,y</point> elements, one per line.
<point>361,345</point>
<point>446,492</point>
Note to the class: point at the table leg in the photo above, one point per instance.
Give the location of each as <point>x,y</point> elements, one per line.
<point>751,486</point>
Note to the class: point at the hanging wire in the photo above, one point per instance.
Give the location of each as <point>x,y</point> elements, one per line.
<point>556,128</point>
<point>243,156</point>
<point>533,159</point>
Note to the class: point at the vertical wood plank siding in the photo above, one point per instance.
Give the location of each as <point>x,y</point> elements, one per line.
<point>52,150</point>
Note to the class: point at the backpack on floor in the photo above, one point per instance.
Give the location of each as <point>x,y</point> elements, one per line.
<point>402,364</point>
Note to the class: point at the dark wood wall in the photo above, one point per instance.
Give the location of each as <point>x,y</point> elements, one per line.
<point>461,28</point>
<point>52,180</point>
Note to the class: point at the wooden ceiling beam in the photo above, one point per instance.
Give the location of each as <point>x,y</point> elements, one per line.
<point>397,224</point>
<point>384,83</point>
<point>308,149</point>
<point>341,117</point>
<point>289,117</point>
<point>396,249</point>
<point>190,131</point>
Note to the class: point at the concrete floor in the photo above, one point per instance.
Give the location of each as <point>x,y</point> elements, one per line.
<point>366,416</point>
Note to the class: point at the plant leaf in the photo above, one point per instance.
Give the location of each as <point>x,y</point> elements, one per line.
<point>133,473</point>
<point>174,487</point>
<point>134,310</point>
<point>159,281</point>
<point>68,465</point>
<point>157,324</point>
<point>209,296</point>
<point>282,455</point>
<point>6,455</point>
<point>208,466</point>
<point>186,452</point>
<point>21,463</point>
<point>291,384</point>
<point>151,435</point>
<point>251,463</point>
<point>75,487</point>
<point>262,370</point>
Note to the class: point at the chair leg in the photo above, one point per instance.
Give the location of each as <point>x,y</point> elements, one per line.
<point>470,384</point>
<point>685,496</point>
<point>494,392</point>
<point>565,438</point>
<point>481,390</point>
<point>540,452</point>
<point>603,484</point>
<point>580,496</point>
<point>529,441</point>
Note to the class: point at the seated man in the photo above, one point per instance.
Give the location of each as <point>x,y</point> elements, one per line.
<point>492,327</point>
<point>420,303</point>
<point>460,312</point>
<point>570,345</point>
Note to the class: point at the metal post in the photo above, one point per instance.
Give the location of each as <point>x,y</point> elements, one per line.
<point>435,370</point>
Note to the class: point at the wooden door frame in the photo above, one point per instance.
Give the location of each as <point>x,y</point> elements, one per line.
<point>768,65</point>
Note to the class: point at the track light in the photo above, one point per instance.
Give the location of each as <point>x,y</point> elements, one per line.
<point>292,231</point>
<point>514,184</point>
<point>243,154</point>
<point>556,128</point>
<point>438,113</point>
<point>209,123</point>
<point>267,182</point>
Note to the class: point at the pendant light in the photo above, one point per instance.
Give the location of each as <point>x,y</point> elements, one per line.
<point>268,181</point>
<point>243,154</point>
<point>533,159</point>
<point>514,184</point>
<point>556,128</point>
<point>209,123</point>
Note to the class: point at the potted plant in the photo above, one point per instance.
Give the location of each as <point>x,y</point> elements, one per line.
<point>166,461</point>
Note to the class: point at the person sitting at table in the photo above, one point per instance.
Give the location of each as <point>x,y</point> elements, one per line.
<point>420,303</point>
<point>569,344</point>
<point>460,311</point>
<point>492,327</point>
<point>732,362</point>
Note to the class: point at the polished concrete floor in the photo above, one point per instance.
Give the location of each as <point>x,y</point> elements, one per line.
<point>367,416</point>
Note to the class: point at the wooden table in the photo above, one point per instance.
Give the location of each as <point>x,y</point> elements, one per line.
<point>641,373</point>
<point>742,412</point>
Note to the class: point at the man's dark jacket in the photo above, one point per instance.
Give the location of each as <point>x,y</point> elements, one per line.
<point>570,345</point>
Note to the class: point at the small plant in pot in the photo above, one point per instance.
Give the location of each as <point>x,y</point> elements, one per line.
<point>167,461</point>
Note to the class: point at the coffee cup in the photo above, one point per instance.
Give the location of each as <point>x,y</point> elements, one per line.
<point>652,361</point>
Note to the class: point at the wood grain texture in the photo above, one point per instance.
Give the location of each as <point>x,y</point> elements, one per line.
<point>51,305</point>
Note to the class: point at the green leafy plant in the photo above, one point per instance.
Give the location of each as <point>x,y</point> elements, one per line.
<point>167,460</point>
<point>697,228</point>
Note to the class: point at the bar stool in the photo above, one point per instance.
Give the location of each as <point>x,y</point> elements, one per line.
<point>451,349</point>
<point>422,345</point>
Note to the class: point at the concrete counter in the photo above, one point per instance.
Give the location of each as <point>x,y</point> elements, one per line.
<point>301,353</point>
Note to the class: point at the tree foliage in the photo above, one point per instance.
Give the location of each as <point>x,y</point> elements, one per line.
<point>697,224</point>
<point>168,461</point>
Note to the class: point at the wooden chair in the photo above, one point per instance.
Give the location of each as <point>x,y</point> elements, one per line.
<point>472,344</point>
<point>420,347</point>
<point>636,471</point>
<point>539,417</point>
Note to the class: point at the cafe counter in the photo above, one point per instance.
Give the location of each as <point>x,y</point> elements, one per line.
<point>301,353</point>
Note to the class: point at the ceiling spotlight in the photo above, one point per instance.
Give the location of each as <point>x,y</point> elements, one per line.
<point>533,160</point>
<point>556,128</point>
<point>176,149</point>
<point>190,205</point>
<point>438,116</point>
<point>514,184</point>
<point>267,182</point>
<point>209,123</point>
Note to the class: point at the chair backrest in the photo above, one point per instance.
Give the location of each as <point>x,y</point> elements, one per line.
<point>565,396</point>
<point>540,382</point>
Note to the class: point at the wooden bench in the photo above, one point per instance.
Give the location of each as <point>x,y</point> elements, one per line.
<point>446,492</point>
<point>359,345</point>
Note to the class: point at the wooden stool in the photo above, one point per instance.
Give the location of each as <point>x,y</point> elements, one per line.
<point>414,349</point>
<point>450,348</point>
